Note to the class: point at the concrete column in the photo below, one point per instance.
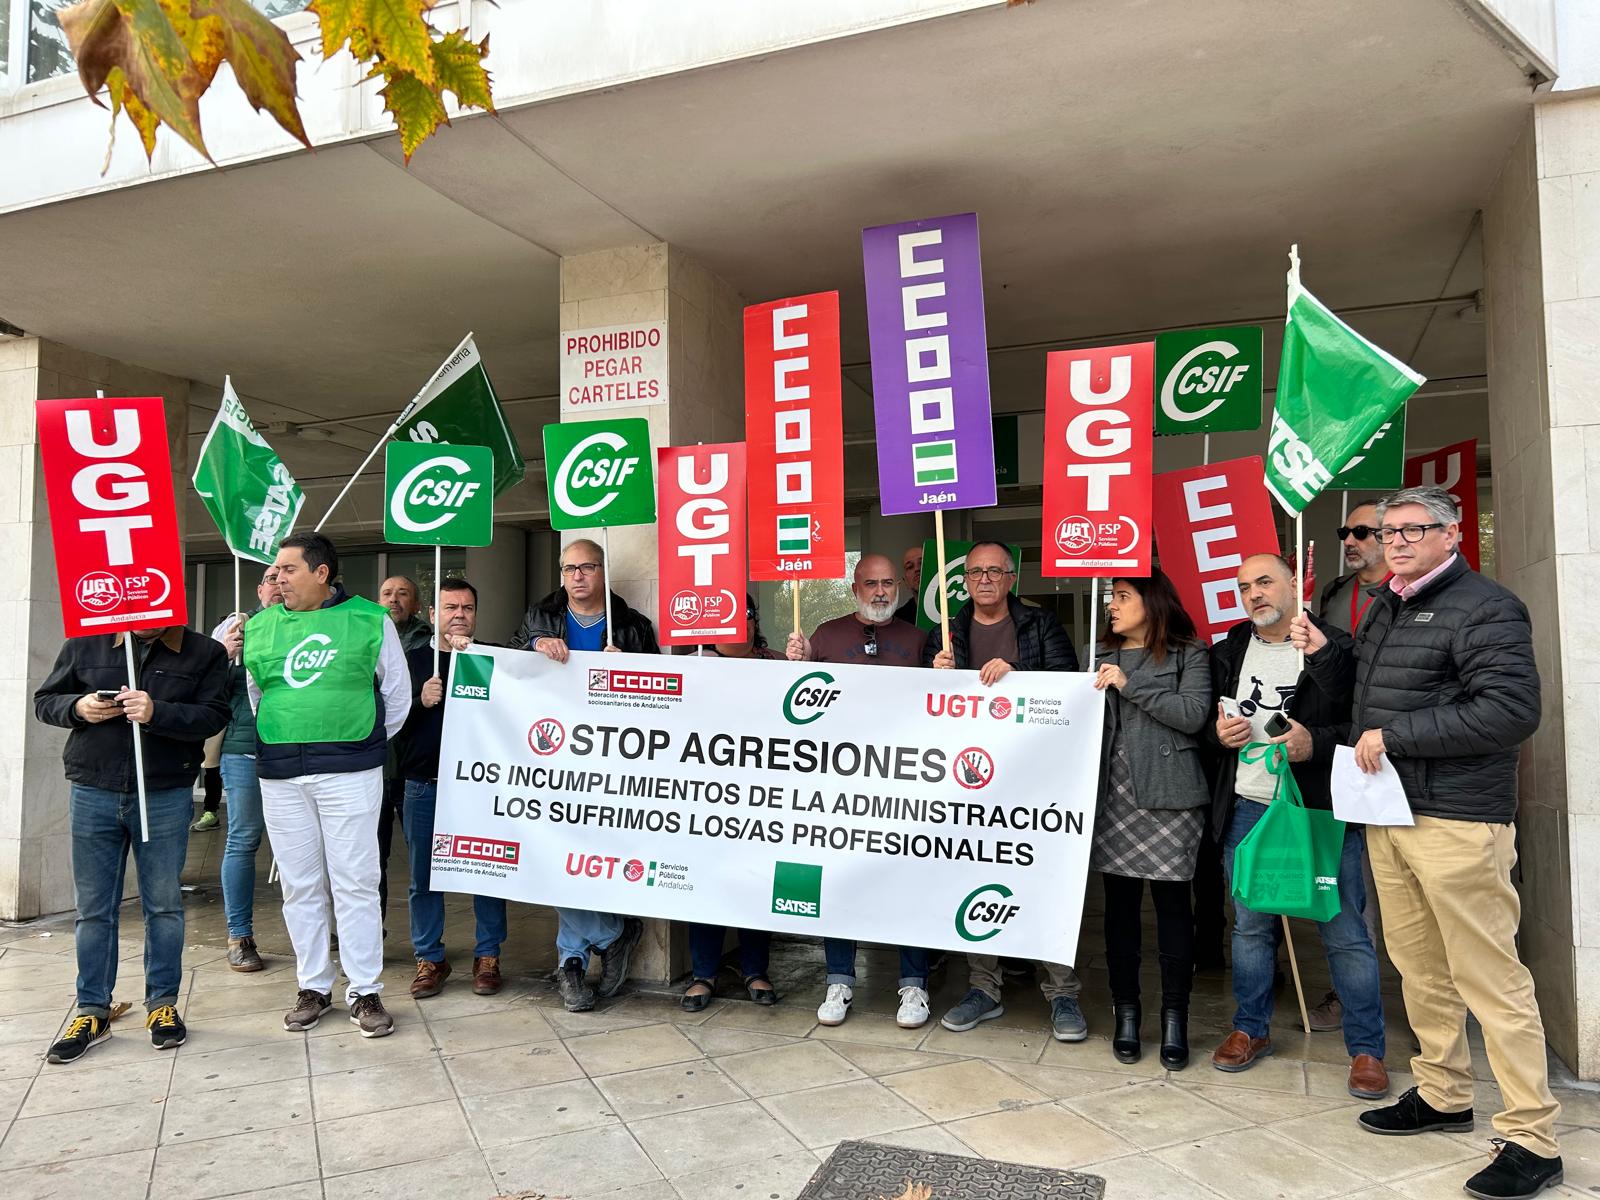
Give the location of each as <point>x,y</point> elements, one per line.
<point>1542,270</point>
<point>705,388</point>
<point>35,849</point>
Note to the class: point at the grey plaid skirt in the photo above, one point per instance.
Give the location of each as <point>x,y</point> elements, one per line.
<point>1139,842</point>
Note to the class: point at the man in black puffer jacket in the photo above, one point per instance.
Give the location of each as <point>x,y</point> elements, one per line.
<point>1446,687</point>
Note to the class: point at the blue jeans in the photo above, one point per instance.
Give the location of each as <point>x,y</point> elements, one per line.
<point>105,826</point>
<point>1352,961</point>
<point>427,908</point>
<point>244,839</point>
<point>579,931</point>
<point>841,958</point>
<point>705,950</point>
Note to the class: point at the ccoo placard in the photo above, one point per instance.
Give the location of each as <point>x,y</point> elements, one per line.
<point>438,494</point>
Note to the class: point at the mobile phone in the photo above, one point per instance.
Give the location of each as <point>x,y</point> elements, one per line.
<point>1277,725</point>
<point>1230,708</point>
<point>106,695</point>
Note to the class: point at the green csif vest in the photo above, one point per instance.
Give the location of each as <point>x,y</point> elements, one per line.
<point>315,671</point>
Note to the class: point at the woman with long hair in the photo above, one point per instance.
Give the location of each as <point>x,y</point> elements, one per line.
<point>1153,800</point>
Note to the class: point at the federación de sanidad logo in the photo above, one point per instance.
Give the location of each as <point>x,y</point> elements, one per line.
<point>985,912</point>
<point>809,698</point>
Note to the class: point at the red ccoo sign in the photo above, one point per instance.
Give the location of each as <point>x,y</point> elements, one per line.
<point>1208,521</point>
<point>1455,469</point>
<point>795,436</point>
<point>108,478</point>
<point>701,543</point>
<point>1098,412</point>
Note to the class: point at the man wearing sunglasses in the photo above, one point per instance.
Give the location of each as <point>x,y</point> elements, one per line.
<point>1347,600</point>
<point>1446,688</point>
<point>870,635</point>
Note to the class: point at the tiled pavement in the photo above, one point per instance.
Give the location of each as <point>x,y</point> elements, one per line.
<point>511,1096</point>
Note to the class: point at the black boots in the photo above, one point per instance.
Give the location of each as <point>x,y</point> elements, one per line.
<point>1174,1038</point>
<point>1125,1041</point>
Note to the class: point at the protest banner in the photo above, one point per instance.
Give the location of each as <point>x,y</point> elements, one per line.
<point>701,544</point>
<point>1208,380</point>
<point>910,807</point>
<point>1455,469</point>
<point>114,525</point>
<point>794,432</point>
<point>618,366</point>
<point>1208,520</point>
<point>598,475</point>
<point>955,580</point>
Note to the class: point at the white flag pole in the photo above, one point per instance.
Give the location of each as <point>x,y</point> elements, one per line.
<point>1344,519</point>
<point>394,427</point>
<point>605,553</point>
<point>1300,574</point>
<point>236,591</point>
<point>1094,618</point>
<point>438,580</point>
<point>1205,451</point>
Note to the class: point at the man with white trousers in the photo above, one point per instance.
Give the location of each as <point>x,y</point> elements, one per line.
<point>330,687</point>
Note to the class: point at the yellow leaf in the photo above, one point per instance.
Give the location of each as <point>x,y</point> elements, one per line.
<point>338,19</point>
<point>416,107</point>
<point>123,100</point>
<point>401,36</point>
<point>459,64</point>
<point>262,58</point>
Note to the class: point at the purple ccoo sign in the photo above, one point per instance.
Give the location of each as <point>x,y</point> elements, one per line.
<point>930,364</point>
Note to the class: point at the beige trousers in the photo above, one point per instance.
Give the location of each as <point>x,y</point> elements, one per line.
<point>1450,916</point>
<point>984,973</point>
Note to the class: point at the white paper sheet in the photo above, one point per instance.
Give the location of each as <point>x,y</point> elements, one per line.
<point>1368,799</point>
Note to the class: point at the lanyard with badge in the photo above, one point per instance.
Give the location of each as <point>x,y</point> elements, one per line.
<point>1355,592</point>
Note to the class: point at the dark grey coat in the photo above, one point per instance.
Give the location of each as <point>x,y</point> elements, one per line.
<point>1158,714</point>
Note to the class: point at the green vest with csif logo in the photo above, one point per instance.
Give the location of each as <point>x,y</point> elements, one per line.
<point>315,671</point>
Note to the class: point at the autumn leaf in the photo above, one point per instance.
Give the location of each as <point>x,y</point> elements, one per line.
<point>416,107</point>
<point>401,37</point>
<point>338,20</point>
<point>261,55</point>
<point>458,66</point>
<point>123,100</point>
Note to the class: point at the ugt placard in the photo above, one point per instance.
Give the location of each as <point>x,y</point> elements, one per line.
<point>1097,461</point>
<point>438,495</point>
<point>108,481</point>
<point>700,543</point>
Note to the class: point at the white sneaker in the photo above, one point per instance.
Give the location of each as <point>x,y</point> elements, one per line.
<point>834,1009</point>
<point>913,1012</point>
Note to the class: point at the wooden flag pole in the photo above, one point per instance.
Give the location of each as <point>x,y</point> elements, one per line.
<point>944,592</point>
<point>1294,969</point>
<point>605,553</point>
<point>794,597</point>
<point>438,598</point>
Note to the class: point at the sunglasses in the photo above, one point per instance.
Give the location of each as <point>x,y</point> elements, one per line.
<point>1362,532</point>
<point>870,632</point>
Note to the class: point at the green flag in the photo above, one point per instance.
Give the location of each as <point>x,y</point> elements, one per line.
<point>1335,390</point>
<point>244,485</point>
<point>459,405</point>
<point>1381,462</point>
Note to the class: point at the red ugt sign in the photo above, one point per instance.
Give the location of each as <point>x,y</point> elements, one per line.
<point>1098,413</point>
<point>1208,521</point>
<point>108,480</point>
<point>1455,469</point>
<point>795,435</point>
<point>701,540</point>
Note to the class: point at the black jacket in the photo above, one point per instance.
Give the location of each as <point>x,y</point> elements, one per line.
<point>189,686</point>
<point>548,618</point>
<point>1042,645</point>
<point>1450,678</point>
<point>1323,710</point>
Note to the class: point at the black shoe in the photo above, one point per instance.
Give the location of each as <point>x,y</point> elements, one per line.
<point>1125,1041</point>
<point>614,958</point>
<point>1174,1038</point>
<point>166,1028</point>
<point>576,993</point>
<point>1516,1173</point>
<point>82,1033</point>
<point>1412,1114</point>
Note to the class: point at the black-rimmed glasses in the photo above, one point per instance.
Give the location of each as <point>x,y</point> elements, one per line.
<point>1408,533</point>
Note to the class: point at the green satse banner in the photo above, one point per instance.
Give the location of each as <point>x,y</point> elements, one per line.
<point>1382,461</point>
<point>244,484</point>
<point>460,407</point>
<point>1208,380</point>
<point>598,473</point>
<point>438,495</point>
<point>955,579</point>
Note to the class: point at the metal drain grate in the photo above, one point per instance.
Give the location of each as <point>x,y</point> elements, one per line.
<point>866,1171</point>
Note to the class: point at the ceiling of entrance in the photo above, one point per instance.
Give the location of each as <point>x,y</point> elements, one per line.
<point>1135,163</point>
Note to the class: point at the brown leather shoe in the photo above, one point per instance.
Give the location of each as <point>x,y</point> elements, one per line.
<point>486,975</point>
<point>1369,1079</point>
<point>1239,1051</point>
<point>430,978</point>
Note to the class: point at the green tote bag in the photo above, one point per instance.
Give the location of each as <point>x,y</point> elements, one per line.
<point>1289,863</point>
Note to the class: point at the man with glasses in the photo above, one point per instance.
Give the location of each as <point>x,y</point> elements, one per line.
<point>1347,600</point>
<point>871,634</point>
<point>911,576</point>
<point>574,618</point>
<point>994,633</point>
<point>1446,688</point>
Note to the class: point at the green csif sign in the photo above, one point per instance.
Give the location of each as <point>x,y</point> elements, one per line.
<point>438,494</point>
<point>955,579</point>
<point>598,473</point>
<point>1208,380</point>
